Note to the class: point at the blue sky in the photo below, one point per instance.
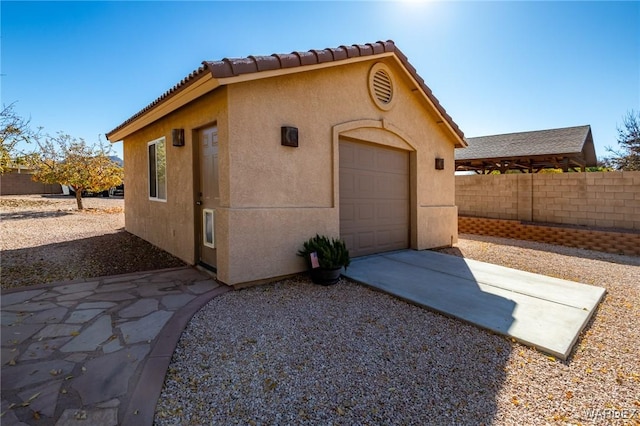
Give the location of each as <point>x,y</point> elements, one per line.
<point>496,67</point>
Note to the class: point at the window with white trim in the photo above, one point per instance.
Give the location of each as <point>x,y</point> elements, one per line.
<point>157,169</point>
<point>208,225</point>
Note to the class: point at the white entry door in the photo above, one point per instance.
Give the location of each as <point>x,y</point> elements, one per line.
<point>209,195</point>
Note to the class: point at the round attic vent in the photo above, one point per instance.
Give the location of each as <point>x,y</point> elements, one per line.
<point>381,86</point>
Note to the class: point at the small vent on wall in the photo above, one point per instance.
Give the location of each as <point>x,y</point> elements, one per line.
<point>382,86</point>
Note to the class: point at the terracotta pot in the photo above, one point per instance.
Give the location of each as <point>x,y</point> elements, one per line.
<point>325,276</point>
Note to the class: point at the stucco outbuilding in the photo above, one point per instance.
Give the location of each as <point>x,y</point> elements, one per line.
<point>244,159</point>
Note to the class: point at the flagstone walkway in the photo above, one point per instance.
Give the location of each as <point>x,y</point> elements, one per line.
<point>95,351</point>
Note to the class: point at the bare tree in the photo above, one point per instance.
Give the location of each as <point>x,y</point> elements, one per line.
<point>628,155</point>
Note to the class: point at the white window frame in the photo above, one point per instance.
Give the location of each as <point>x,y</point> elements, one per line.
<point>149,177</point>
<point>211,213</point>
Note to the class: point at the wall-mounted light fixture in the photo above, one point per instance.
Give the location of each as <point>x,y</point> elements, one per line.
<point>289,136</point>
<point>177,136</point>
<point>439,163</point>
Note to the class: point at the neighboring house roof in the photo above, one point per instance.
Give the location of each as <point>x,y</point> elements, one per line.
<point>229,71</point>
<point>552,148</point>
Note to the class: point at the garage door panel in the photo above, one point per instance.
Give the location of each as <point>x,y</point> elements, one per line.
<point>392,161</point>
<point>391,186</point>
<point>370,242</point>
<point>368,184</point>
<point>391,212</point>
<point>365,212</point>
<point>347,213</point>
<point>347,156</point>
<point>366,187</point>
<point>366,240</point>
<point>347,183</point>
<point>349,240</point>
<point>374,198</point>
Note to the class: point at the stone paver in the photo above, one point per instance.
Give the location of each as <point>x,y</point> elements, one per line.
<point>177,301</point>
<point>107,377</point>
<point>51,316</point>
<point>145,328</point>
<point>76,287</point>
<point>13,298</point>
<point>30,307</point>
<point>83,315</point>
<point>72,353</point>
<point>43,349</point>
<point>140,308</point>
<point>92,305</point>
<point>103,417</point>
<point>89,338</point>
<point>23,375</point>
<point>47,397</point>
<point>74,296</point>
<point>58,330</point>
<point>18,334</point>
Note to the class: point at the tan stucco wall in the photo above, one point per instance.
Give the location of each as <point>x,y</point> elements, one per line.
<point>170,225</point>
<point>274,197</point>
<point>279,196</point>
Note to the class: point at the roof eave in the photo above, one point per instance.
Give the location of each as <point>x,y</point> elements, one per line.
<point>212,75</point>
<point>426,93</point>
<point>172,101</point>
<point>201,85</point>
<point>433,102</point>
<point>524,156</point>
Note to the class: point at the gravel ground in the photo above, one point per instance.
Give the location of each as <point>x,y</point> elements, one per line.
<point>46,239</point>
<point>296,353</point>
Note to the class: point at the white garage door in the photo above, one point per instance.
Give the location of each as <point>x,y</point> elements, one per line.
<point>374,198</point>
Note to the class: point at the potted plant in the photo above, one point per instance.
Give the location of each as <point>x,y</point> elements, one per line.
<point>325,258</point>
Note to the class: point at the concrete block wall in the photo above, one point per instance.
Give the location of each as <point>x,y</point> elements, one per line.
<point>496,198</point>
<point>599,199</point>
<point>592,239</point>
<point>21,184</point>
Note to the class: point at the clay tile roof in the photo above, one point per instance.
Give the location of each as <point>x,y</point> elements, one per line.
<point>242,65</point>
<point>220,68</point>
<point>307,58</point>
<point>265,63</point>
<point>377,48</point>
<point>230,67</point>
<point>338,53</point>
<point>288,60</point>
<point>364,49</point>
<point>352,51</point>
<point>323,55</point>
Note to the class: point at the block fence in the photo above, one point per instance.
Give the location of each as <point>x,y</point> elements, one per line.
<point>601,240</point>
<point>22,184</point>
<point>598,199</point>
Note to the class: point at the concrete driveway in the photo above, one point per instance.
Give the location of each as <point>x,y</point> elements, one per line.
<point>544,312</point>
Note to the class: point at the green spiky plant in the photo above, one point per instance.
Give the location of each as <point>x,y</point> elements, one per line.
<point>332,253</point>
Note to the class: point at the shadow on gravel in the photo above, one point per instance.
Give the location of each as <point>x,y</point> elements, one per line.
<point>110,254</point>
<point>71,197</point>
<point>33,215</point>
<point>352,356</point>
